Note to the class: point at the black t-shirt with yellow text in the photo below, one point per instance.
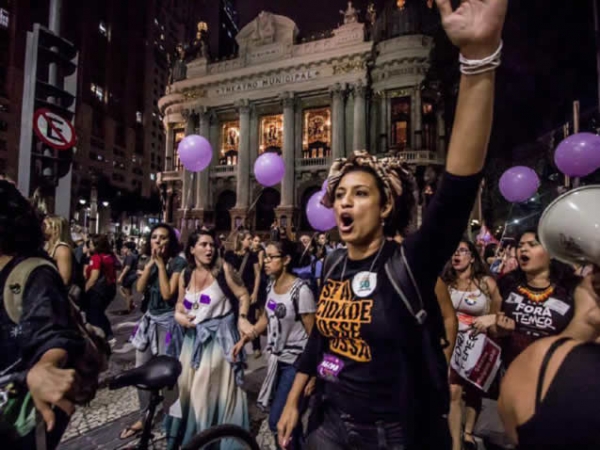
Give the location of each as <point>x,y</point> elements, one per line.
<point>360,344</point>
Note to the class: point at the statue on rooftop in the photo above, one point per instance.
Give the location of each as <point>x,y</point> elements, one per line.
<point>350,15</point>
<point>199,45</point>
<point>178,69</point>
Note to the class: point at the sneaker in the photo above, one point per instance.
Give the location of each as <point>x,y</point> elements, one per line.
<point>257,354</point>
<point>112,342</point>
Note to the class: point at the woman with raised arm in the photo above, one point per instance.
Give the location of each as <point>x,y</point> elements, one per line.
<point>211,293</point>
<point>382,375</point>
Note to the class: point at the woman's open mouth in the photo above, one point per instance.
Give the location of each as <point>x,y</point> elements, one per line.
<point>524,259</point>
<point>346,222</point>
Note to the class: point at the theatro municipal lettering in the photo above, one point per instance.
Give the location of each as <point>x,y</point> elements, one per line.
<point>266,82</point>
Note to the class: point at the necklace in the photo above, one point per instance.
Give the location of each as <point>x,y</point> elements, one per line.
<point>194,285</point>
<point>536,297</point>
<point>372,264</point>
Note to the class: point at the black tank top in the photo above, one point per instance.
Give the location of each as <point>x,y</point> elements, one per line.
<point>569,416</point>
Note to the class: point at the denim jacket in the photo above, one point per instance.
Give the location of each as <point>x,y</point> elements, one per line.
<point>223,330</point>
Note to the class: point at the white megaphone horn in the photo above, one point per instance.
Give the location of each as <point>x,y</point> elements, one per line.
<point>570,227</point>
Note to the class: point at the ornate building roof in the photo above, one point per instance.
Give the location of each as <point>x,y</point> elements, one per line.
<point>406,17</point>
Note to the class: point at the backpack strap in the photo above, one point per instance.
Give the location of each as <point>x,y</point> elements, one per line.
<point>401,276</point>
<point>295,296</point>
<point>331,262</point>
<point>14,287</point>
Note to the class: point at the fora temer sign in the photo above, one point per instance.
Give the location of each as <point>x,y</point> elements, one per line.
<point>267,82</point>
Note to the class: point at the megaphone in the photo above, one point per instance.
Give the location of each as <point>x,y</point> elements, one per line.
<point>570,227</point>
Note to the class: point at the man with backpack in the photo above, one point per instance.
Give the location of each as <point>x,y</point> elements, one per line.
<point>45,353</point>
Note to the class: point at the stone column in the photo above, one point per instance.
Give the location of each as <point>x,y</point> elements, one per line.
<point>383,123</point>
<point>441,134</point>
<point>186,201</point>
<point>337,113</point>
<point>298,132</point>
<point>360,118</point>
<point>418,124</point>
<point>287,186</point>
<point>169,151</point>
<point>243,166</point>
<point>254,138</point>
<point>215,142</point>
<point>203,178</point>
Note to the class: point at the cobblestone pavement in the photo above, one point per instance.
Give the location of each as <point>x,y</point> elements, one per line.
<point>98,425</point>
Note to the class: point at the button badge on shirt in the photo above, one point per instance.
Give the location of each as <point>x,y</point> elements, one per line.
<point>330,367</point>
<point>364,283</point>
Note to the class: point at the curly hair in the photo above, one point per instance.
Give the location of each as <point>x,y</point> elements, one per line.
<point>395,182</point>
<point>20,224</point>
<point>173,248</point>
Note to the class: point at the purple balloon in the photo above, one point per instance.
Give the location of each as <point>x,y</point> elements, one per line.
<point>269,169</point>
<point>324,185</point>
<point>195,153</point>
<point>518,184</point>
<point>319,217</point>
<point>578,155</point>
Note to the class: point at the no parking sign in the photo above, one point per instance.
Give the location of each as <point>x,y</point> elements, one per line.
<point>53,129</point>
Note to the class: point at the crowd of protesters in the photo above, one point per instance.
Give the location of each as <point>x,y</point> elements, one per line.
<point>358,333</point>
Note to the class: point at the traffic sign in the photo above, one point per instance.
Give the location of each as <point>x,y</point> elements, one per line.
<point>53,130</point>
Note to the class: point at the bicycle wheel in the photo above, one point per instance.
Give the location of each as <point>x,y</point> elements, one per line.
<point>236,436</point>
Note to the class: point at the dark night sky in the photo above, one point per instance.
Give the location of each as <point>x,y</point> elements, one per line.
<point>549,61</point>
<point>549,57</point>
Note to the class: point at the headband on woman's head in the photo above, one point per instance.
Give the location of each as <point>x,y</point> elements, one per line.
<point>386,169</point>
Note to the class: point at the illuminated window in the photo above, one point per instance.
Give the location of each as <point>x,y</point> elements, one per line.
<point>179,135</point>
<point>103,29</point>
<point>271,134</point>
<point>316,140</point>
<point>231,143</point>
<point>400,125</point>
<point>429,125</point>
<point>4,18</point>
<point>97,91</point>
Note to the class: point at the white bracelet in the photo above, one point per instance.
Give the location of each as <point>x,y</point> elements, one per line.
<point>477,66</point>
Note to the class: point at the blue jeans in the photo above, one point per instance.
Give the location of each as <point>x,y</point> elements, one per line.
<point>283,385</point>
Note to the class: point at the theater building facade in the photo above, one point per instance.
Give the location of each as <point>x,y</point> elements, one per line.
<point>357,87</point>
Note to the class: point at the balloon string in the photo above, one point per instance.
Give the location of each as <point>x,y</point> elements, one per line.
<point>512,205</point>
<point>189,196</point>
<point>256,201</point>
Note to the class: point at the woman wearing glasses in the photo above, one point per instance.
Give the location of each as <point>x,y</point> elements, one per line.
<point>476,299</point>
<point>289,317</point>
